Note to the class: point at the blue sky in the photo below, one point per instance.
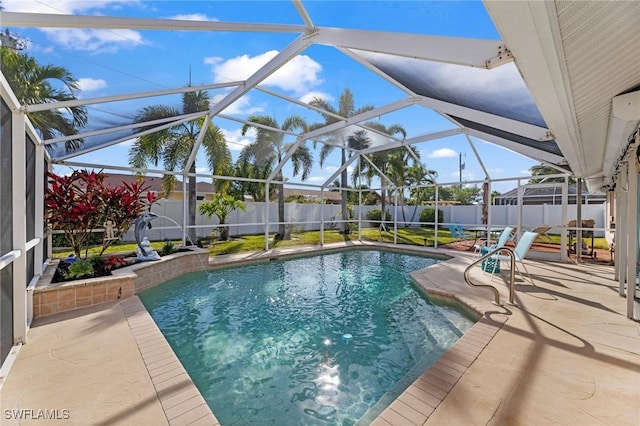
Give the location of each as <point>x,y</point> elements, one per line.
<point>110,62</point>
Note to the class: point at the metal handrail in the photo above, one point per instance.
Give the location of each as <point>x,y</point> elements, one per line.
<point>512,285</point>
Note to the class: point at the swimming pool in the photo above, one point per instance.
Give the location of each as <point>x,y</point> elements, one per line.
<point>327,339</point>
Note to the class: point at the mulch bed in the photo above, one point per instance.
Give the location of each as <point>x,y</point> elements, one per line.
<point>601,256</point>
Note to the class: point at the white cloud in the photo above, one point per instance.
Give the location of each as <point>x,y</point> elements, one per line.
<point>443,153</point>
<point>235,140</point>
<point>308,97</point>
<point>299,75</point>
<point>80,39</point>
<point>202,170</point>
<point>317,179</point>
<point>89,84</point>
<point>467,175</point>
<point>194,17</point>
<point>241,106</point>
<point>62,6</point>
<point>94,39</point>
<point>333,169</point>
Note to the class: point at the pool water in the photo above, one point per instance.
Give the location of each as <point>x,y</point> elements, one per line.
<point>322,340</point>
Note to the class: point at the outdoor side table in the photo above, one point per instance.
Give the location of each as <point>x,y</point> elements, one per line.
<point>489,263</point>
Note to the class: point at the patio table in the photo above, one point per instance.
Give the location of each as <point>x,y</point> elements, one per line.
<point>479,230</point>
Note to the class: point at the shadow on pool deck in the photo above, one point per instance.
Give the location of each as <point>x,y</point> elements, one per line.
<point>566,354</point>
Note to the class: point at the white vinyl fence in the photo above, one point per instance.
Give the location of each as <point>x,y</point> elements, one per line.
<point>310,216</point>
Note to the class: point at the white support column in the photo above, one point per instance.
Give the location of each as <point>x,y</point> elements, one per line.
<point>185,209</point>
<point>632,230</point>
<point>322,216</point>
<point>621,244</point>
<point>39,213</point>
<point>359,201</point>
<point>435,225</point>
<point>489,215</point>
<point>50,239</point>
<point>579,221</point>
<point>616,234</point>
<point>519,218</point>
<point>266,216</point>
<point>565,216</point>
<point>19,227</point>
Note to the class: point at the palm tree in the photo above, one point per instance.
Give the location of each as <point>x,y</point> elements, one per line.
<point>220,206</point>
<point>240,188</point>
<point>400,166</point>
<point>269,149</point>
<point>346,109</point>
<point>382,159</point>
<point>32,84</point>
<point>173,146</point>
<point>417,175</point>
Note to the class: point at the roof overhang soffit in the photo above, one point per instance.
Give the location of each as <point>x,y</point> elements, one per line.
<point>625,119</point>
<point>532,32</point>
<point>536,154</point>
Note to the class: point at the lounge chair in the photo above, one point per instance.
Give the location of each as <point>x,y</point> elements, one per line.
<point>520,251</point>
<point>505,235</point>
<point>461,232</point>
<point>542,232</point>
<point>458,232</point>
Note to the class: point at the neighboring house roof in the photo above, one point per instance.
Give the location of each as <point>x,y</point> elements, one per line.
<point>155,184</point>
<point>547,195</point>
<point>331,197</point>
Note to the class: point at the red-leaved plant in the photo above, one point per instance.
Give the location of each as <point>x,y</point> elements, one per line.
<point>114,263</point>
<point>78,203</point>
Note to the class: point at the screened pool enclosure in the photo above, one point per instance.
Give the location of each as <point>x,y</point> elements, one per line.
<point>533,92</point>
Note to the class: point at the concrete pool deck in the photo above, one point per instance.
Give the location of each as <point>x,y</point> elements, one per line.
<point>566,354</point>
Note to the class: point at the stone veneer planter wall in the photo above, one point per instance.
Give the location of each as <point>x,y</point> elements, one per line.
<point>51,298</point>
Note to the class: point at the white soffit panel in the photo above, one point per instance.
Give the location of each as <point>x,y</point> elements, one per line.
<point>575,56</point>
<point>602,49</point>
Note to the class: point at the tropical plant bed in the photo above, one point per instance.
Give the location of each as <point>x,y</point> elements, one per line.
<point>98,266</point>
<point>50,298</point>
<point>93,267</point>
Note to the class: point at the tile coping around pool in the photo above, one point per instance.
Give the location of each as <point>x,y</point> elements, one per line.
<point>183,403</point>
<point>180,399</point>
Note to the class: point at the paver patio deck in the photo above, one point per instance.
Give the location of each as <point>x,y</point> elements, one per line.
<point>566,354</point>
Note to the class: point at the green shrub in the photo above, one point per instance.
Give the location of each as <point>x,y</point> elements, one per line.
<point>376,214</point>
<point>429,215</point>
<point>168,248</point>
<point>81,268</point>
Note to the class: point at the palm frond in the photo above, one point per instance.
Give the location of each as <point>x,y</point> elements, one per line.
<point>302,160</point>
<point>216,151</point>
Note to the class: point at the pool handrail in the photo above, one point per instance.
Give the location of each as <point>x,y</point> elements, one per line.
<point>512,286</point>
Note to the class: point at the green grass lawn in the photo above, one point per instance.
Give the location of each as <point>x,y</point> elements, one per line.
<point>598,242</point>
<point>411,236</point>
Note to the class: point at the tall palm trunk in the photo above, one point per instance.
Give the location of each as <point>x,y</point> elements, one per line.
<point>192,203</point>
<point>401,203</point>
<point>415,210</point>
<point>281,225</point>
<point>343,201</point>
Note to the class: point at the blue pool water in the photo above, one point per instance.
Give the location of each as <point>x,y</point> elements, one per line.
<point>323,340</point>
